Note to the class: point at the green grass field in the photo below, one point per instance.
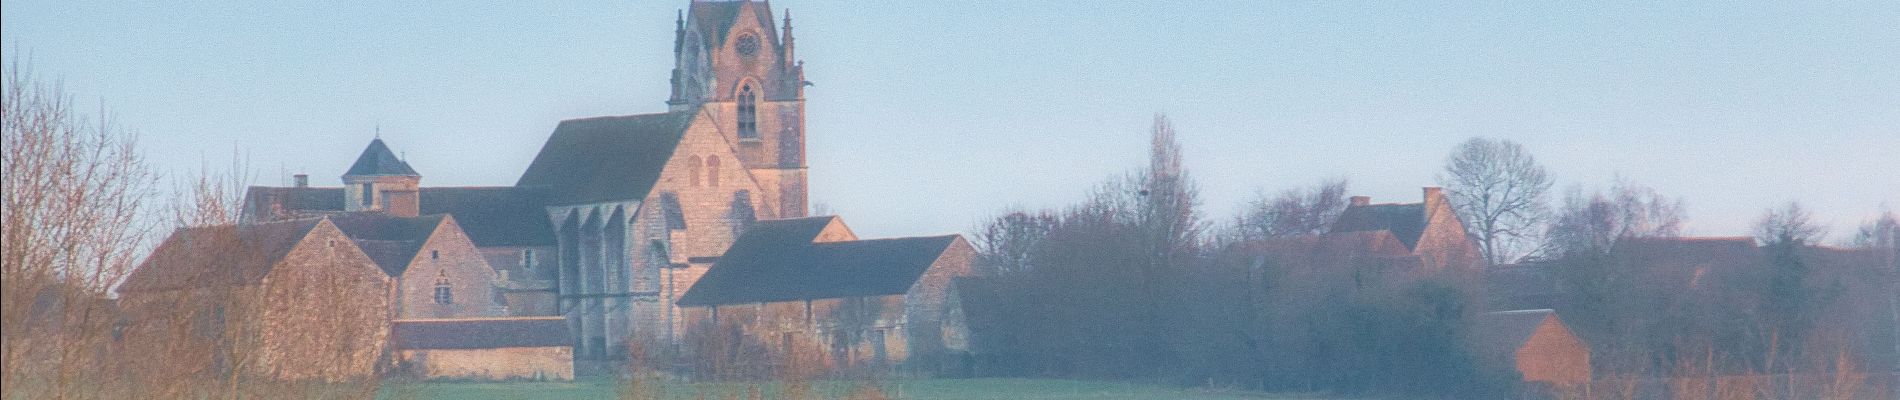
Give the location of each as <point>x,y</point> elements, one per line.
<point>970,389</point>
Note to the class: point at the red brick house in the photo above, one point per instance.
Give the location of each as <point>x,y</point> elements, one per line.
<point>1535,344</point>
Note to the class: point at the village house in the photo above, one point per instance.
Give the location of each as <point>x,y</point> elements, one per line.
<point>292,300</point>
<point>809,284</point>
<point>435,271</point>
<point>1536,344</point>
<point>1430,229</point>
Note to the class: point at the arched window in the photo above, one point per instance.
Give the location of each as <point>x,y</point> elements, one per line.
<point>712,171</point>
<point>748,113</point>
<point>442,293</point>
<point>692,168</point>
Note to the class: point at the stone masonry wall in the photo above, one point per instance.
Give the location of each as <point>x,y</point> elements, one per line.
<point>448,256</point>
<point>511,363</point>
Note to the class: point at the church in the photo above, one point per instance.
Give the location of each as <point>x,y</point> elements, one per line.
<point>618,217</point>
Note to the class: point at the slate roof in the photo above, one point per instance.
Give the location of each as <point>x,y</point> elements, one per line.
<point>378,160</point>
<point>391,241</point>
<point>1503,332</point>
<point>604,159</point>
<point>1405,221</point>
<point>492,216</point>
<point>480,333</point>
<point>317,199</point>
<point>777,261</point>
<point>221,255</point>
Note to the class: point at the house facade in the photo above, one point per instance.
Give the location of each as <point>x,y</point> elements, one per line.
<point>240,296</point>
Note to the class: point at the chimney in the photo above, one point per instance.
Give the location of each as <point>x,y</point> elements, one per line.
<point>302,180</point>
<point>1361,200</point>
<point>1434,196</point>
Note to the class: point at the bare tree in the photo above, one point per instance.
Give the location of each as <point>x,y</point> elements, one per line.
<point>1006,243</point>
<point>1593,223</point>
<point>1498,189</point>
<point>1305,211</point>
<point>70,226</point>
<point>1789,224</point>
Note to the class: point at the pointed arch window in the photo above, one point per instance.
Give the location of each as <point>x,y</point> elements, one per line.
<point>692,169</point>
<point>748,113</point>
<point>712,171</point>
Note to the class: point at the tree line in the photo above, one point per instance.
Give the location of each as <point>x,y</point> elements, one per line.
<point>1135,282</point>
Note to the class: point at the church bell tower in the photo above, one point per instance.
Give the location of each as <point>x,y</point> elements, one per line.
<point>734,63</point>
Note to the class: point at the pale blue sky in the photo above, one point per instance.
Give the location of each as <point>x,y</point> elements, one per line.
<point>928,116</point>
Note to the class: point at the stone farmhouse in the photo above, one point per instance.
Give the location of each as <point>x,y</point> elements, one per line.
<point>617,219</point>
<point>257,284</point>
<point>810,285</point>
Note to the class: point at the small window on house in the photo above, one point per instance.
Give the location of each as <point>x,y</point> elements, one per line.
<point>369,194</point>
<point>434,255</point>
<point>748,113</point>
<point>443,294</point>
<point>712,171</point>
<point>527,259</point>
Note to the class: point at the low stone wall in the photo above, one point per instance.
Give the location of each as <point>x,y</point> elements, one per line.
<point>510,363</point>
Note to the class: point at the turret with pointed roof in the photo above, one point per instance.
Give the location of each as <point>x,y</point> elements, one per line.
<point>380,181</point>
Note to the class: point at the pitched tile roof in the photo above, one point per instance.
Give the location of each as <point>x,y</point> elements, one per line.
<point>1405,221</point>
<point>604,159</point>
<point>217,255</point>
<point>391,241</point>
<point>776,260</point>
<point>492,216</point>
<point>480,333</point>
<point>378,160</point>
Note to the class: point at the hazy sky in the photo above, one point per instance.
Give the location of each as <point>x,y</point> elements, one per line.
<point>926,117</point>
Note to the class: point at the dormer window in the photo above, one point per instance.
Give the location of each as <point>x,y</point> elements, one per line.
<point>369,194</point>
<point>748,113</point>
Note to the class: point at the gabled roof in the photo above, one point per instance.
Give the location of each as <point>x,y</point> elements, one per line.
<point>1405,221</point>
<point>778,261</point>
<point>378,160</point>
<point>217,255</point>
<point>605,158</point>
<point>480,333</point>
<point>492,216</point>
<point>390,241</point>
<point>1503,332</point>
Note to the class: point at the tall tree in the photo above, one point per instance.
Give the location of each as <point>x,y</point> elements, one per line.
<point>71,220</point>
<point>1592,223</point>
<point>1498,188</point>
<point>1304,211</point>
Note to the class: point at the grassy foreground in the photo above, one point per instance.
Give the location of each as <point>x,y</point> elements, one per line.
<point>967,389</point>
